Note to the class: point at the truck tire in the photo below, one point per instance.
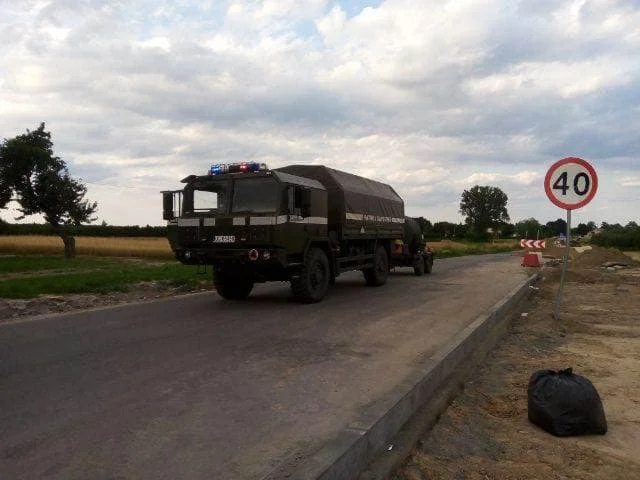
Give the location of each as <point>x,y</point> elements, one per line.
<point>232,287</point>
<point>419,266</point>
<point>428,263</point>
<point>377,275</point>
<point>312,282</point>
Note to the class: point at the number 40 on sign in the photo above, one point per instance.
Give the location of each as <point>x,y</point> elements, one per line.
<point>571,183</point>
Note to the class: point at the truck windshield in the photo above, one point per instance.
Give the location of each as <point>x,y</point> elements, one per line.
<point>256,195</point>
<point>209,196</point>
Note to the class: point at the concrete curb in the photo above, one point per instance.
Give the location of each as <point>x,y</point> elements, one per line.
<point>348,455</point>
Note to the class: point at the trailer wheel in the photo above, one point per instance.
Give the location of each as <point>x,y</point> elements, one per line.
<point>312,282</point>
<point>377,275</point>
<point>232,287</point>
<point>428,262</point>
<point>419,266</point>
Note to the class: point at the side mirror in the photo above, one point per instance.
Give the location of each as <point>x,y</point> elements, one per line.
<point>167,206</point>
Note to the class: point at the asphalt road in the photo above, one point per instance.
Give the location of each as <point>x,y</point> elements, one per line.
<point>199,388</point>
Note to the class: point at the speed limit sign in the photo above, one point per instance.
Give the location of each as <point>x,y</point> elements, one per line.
<point>571,183</point>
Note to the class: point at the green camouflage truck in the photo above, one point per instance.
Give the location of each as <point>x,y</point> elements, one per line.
<point>303,224</point>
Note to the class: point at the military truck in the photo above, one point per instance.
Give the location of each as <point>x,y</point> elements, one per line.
<point>303,224</point>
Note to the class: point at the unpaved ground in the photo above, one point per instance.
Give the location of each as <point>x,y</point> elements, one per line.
<point>485,434</point>
<point>15,308</point>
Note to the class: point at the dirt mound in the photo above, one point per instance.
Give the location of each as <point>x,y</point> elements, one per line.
<point>597,256</point>
<point>589,256</point>
<point>553,251</point>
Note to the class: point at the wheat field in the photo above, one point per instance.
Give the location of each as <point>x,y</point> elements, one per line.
<point>153,247</point>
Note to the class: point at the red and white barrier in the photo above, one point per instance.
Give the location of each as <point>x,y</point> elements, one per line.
<point>533,243</point>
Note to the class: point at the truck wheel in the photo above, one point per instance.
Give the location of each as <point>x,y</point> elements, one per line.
<point>232,287</point>
<point>428,262</point>
<point>377,275</point>
<point>312,282</point>
<point>419,266</point>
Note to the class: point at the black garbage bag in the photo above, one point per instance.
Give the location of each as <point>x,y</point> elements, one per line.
<point>565,404</point>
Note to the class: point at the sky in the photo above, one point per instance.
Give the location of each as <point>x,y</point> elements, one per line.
<point>430,96</point>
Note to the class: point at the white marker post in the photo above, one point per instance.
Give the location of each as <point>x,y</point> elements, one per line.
<point>570,183</point>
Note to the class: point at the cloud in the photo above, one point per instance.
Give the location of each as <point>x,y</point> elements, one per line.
<point>521,178</point>
<point>630,182</point>
<point>431,96</point>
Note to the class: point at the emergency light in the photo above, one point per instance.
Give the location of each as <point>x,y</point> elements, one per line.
<point>244,167</point>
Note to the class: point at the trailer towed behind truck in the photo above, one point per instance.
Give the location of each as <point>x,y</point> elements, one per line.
<point>304,224</point>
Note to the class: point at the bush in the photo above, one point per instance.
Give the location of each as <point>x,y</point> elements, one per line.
<point>624,238</point>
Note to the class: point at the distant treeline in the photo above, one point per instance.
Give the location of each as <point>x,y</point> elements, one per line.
<point>83,230</point>
<point>624,238</point>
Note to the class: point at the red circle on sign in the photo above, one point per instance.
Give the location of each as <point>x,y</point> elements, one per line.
<point>578,161</point>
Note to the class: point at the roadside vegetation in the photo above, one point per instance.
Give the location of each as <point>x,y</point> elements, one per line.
<point>624,238</point>
<point>145,247</point>
<point>98,230</point>
<point>449,248</point>
<point>27,276</point>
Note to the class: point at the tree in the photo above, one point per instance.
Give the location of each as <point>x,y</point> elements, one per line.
<point>529,228</point>
<point>484,208</point>
<point>41,184</point>
<point>581,229</point>
<point>507,229</point>
<point>557,227</point>
<point>611,226</point>
<point>447,230</point>
<point>584,228</point>
<point>425,225</point>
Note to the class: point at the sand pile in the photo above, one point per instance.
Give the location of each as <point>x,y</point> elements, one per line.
<point>597,257</point>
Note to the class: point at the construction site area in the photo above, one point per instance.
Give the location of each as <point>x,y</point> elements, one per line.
<point>485,434</point>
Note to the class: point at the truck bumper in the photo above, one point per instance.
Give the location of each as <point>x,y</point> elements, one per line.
<point>263,263</point>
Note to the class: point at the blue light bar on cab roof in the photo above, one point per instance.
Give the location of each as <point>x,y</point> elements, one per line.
<point>244,167</point>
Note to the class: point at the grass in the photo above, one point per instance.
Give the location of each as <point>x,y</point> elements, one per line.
<point>30,276</point>
<point>34,263</point>
<point>147,247</point>
<point>448,248</point>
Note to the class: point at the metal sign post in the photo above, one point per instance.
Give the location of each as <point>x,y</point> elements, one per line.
<point>570,183</point>
<point>556,310</point>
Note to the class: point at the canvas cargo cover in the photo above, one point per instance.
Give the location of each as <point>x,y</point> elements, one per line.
<point>355,201</point>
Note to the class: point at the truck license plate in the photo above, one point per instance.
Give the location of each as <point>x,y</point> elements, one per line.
<point>224,239</point>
